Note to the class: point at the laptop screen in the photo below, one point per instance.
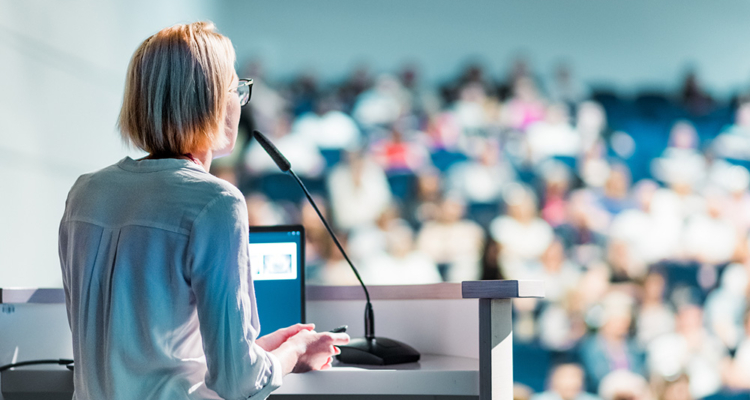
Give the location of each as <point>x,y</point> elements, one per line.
<point>277,257</point>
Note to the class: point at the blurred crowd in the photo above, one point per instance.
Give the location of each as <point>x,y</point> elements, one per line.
<point>634,211</point>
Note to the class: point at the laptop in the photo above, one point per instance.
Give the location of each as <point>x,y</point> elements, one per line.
<point>277,264</point>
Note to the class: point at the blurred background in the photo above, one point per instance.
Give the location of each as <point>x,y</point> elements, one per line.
<point>600,146</point>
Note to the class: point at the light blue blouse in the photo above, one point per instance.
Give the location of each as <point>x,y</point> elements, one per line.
<point>154,256</point>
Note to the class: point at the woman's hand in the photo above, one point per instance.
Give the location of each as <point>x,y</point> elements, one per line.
<point>273,340</point>
<point>310,351</point>
<point>320,347</point>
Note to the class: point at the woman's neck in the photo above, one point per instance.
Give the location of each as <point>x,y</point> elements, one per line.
<point>202,158</point>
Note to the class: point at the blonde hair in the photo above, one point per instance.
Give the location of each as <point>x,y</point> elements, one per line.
<point>176,90</point>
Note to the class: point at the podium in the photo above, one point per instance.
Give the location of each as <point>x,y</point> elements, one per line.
<point>463,331</point>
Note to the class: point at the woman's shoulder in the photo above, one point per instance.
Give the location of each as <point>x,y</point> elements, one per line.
<point>207,192</point>
<point>175,176</point>
<point>173,196</point>
<point>213,186</point>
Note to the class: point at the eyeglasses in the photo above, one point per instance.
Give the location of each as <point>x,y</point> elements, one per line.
<point>244,90</point>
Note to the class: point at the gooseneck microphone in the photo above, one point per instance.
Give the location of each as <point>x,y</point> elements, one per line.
<point>277,157</point>
<point>285,166</point>
<point>369,350</point>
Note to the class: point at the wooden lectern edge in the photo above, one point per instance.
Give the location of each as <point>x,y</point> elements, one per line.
<point>505,289</point>
<point>502,289</point>
<point>32,295</point>
<point>435,291</point>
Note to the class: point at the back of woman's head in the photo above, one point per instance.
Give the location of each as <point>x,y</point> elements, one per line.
<point>176,90</point>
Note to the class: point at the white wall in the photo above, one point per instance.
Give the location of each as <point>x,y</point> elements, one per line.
<point>62,66</point>
<point>62,69</point>
<point>621,42</point>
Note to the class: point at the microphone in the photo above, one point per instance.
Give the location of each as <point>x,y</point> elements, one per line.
<point>276,156</point>
<point>370,350</point>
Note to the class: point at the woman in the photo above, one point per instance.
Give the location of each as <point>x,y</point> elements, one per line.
<point>154,252</point>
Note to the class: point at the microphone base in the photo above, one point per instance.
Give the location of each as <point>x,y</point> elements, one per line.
<point>377,351</point>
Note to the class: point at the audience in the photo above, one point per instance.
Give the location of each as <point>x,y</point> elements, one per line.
<point>559,274</point>
<point>725,306</point>
<point>522,235</point>
<point>709,238</point>
<point>690,349</point>
<point>453,242</point>
<point>367,241</point>
<point>655,317</point>
<point>624,385</point>
<point>566,383</point>
<point>651,231</point>
<point>401,263</point>
<point>611,348</point>
<point>591,124</point>
<point>583,227</point>
<point>482,178</point>
<point>681,161</point>
<point>525,107</point>
<point>308,162</point>
<point>553,136</point>
<point>327,127</point>
<point>734,142</point>
<point>359,191</point>
<point>399,154</point>
<point>620,205</point>
<point>565,88</point>
<point>738,376</point>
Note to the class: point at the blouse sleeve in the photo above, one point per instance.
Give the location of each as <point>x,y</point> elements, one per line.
<point>218,263</point>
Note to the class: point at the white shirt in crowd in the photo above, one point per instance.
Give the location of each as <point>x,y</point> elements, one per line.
<point>414,268</point>
<point>478,183</point>
<point>652,322</point>
<point>711,240</point>
<point>155,264</point>
<point>670,355</point>
<point>332,130</point>
<point>357,205</point>
<point>521,243</point>
<point>733,143</point>
<point>650,238</point>
<point>725,306</point>
<point>306,158</point>
<point>742,356</point>
<point>549,140</point>
<point>458,244</point>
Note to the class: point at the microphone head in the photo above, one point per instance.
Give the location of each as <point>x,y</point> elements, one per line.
<point>272,151</point>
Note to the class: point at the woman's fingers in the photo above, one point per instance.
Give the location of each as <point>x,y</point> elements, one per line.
<point>286,333</point>
<point>319,349</point>
<point>339,338</point>
<point>297,328</point>
<point>273,340</point>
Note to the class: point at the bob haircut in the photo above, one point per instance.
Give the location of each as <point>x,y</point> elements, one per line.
<point>176,90</point>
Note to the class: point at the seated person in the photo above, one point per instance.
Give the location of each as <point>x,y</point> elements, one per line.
<point>612,348</point>
<point>690,349</point>
<point>402,264</point>
<point>453,241</point>
<point>522,235</point>
<point>565,383</point>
